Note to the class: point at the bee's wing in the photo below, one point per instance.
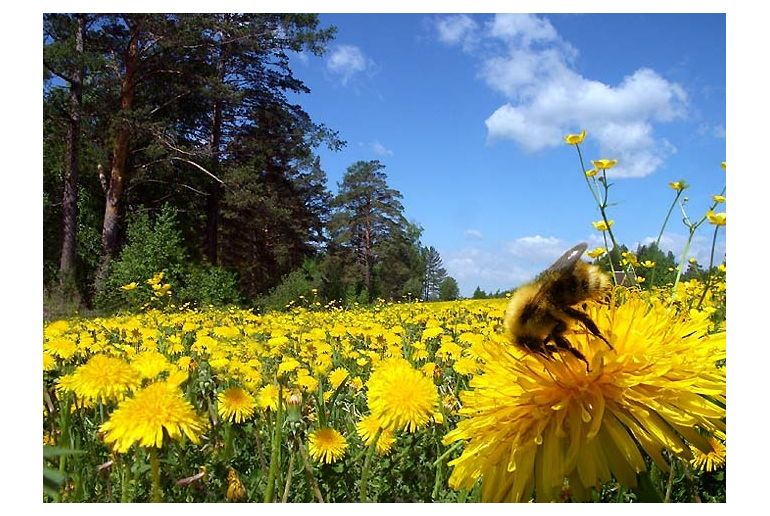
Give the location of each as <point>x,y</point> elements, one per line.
<point>560,268</point>
<point>553,274</point>
<point>567,261</point>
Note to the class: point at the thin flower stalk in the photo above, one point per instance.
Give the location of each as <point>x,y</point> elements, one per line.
<point>707,285</point>
<point>367,464</point>
<point>275,455</point>
<point>156,492</point>
<point>602,204</point>
<point>662,228</point>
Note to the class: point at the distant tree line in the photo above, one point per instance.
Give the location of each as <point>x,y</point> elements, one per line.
<point>173,142</point>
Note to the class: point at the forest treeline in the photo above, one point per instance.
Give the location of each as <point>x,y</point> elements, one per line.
<point>176,144</point>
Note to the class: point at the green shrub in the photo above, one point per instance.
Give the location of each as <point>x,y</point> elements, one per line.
<point>210,286</point>
<point>151,247</point>
<point>296,288</point>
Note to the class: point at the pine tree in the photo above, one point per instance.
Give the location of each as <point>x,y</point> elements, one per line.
<point>368,216</point>
<point>435,273</point>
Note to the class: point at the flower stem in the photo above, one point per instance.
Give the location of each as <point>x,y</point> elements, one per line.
<point>309,472</point>
<point>582,166</point>
<point>367,464</point>
<point>227,450</point>
<point>285,496</point>
<point>662,228</point>
<point>711,265</point>
<point>275,455</point>
<point>602,205</point>
<point>683,260</point>
<point>156,493</point>
<point>125,482</point>
<point>64,423</point>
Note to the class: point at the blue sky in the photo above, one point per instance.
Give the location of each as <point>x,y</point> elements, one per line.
<point>467,113</point>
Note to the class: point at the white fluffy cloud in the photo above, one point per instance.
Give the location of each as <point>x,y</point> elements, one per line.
<point>516,262</point>
<point>346,61</point>
<point>526,60</point>
<point>473,234</point>
<point>457,29</point>
<point>380,150</point>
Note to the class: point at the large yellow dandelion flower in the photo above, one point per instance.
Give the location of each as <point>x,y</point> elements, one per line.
<point>157,410</point>
<point>326,445</point>
<point>235,405</point>
<point>531,423</point>
<point>368,427</point>
<point>102,378</point>
<point>400,397</point>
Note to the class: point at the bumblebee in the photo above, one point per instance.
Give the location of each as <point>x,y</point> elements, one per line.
<point>538,314</point>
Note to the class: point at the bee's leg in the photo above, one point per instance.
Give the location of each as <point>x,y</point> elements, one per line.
<point>587,322</point>
<point>564,344</point>
<point>560,342</point>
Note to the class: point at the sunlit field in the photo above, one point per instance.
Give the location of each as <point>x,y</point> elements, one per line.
<point>392,402</point>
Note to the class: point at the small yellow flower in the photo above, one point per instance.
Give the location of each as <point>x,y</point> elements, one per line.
<point>235,405</point>
<point>724,165</point>
<point>678,185</point>
<point>161,290</point>
<point>130,286</point>
<point>326,445</point>
<point>337,376</point>
<point>630,257</point>
<point>592,172</point>
<point>155,280</point>
<point>574,139</point>
<point>267,398</point>
<point>287,365</point>
<point>597,252</point>
<point>603,226</point>
<point>639,279</point>
<point>604,164</point>
<point>647,264</point>
<point>693,260</point>
<point>718,219</point>
<point>719,198</point>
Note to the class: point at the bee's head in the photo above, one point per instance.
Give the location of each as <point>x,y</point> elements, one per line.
<point>530,342</point>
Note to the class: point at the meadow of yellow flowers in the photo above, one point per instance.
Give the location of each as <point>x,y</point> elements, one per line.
<point>392,402</point>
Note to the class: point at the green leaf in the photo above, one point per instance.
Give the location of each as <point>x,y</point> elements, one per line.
<point>57,451</point>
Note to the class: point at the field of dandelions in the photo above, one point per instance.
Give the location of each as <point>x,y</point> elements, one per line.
<point>396,402</point>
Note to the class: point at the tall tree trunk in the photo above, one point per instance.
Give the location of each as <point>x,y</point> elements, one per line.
<point>215,188</point>
<point>118,170</point>
<point>67,266</point>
